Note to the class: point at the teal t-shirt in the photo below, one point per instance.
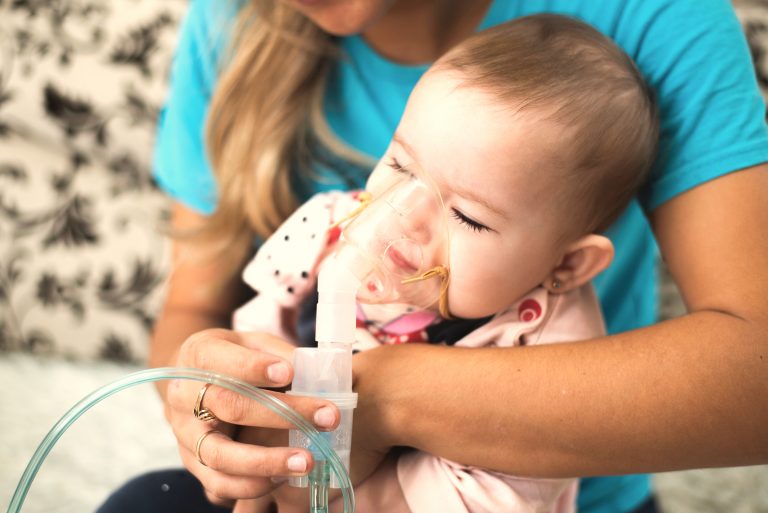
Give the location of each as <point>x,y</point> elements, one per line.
<point>692,52</point>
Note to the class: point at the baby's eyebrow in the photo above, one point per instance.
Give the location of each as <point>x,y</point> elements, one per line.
<point>467,194</point>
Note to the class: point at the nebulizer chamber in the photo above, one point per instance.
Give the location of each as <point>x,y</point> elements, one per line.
<point>326,370</point>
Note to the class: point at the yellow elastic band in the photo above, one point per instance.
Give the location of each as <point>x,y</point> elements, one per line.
<point>445,277</point>
<point>365,199</point>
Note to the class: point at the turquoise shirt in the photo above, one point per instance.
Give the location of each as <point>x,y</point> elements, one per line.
<point>692,52</point>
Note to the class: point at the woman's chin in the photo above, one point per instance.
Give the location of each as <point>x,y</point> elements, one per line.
<point>339,17</point>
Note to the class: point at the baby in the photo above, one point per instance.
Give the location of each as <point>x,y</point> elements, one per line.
<point>534,135</point>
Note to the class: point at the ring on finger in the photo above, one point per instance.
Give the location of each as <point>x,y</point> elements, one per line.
<point>200,443</point>
<point>200,411</point>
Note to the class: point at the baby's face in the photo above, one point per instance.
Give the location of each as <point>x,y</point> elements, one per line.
<point>495,170</point>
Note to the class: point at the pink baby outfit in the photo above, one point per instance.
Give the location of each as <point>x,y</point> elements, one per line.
<point>284,272</point>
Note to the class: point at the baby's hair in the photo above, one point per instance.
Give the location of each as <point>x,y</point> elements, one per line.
<point>582,80</point>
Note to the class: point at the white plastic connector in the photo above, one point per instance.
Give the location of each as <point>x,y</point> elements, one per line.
<point>336,305</point>
<point>326,371</point>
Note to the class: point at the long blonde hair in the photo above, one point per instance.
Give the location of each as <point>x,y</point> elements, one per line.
<point>265,118</point>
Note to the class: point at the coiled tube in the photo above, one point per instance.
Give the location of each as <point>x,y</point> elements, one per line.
<point>164,373</point>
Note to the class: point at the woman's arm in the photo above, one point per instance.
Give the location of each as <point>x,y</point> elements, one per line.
<point>201,293</point>
<point>685,393</point>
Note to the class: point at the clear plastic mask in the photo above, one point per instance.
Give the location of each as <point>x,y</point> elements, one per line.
<point>397,245</point>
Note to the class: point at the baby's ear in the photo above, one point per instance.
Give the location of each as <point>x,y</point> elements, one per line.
<point>582,260</point>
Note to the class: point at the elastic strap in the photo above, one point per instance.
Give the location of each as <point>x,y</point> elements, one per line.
<point>365,199</point>
<point>445,278</point>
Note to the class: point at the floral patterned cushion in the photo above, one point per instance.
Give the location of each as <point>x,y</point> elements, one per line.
<point>754,19</point>
<point>82,262</point>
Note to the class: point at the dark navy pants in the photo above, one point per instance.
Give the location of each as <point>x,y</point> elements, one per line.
<point>178,491</point>
<point>164,491</point>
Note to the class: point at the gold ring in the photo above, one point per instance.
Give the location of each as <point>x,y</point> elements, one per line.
<point>200,442</point>
<point>200,412</point>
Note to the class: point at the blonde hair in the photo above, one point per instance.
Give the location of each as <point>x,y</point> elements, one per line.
<point>265,121</point>
<point>564,66</point>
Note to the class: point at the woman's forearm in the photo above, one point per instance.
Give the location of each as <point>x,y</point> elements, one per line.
<point>203,289</point>
<point>690,392</point>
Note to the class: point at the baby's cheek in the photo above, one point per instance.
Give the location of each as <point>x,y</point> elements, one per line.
<point>473,288</point>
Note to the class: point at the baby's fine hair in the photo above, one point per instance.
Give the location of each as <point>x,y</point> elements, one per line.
<point>565,68</point>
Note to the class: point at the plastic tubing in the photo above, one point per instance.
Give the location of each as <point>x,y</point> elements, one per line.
<point>160,374</point>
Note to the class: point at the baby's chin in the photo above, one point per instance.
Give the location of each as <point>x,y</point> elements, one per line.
<point>463,310</point>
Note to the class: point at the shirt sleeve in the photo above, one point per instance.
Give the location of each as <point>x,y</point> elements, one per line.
<point>695,55</point>
<point>181,165</point>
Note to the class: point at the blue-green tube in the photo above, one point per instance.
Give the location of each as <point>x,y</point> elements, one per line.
<point>150,375</point>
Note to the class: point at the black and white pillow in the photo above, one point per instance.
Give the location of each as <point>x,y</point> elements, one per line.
<point>81,259</point>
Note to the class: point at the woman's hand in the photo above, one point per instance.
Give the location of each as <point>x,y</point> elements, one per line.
<point>370,447</point>
<point>226,468</point>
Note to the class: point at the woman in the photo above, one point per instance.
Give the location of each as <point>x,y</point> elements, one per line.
<point>286,118</point>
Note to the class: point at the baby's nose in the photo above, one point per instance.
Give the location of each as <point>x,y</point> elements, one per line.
<point>418,223</point>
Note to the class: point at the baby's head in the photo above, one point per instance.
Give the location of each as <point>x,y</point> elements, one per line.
<point>565,72</point>
<point>537,133</point>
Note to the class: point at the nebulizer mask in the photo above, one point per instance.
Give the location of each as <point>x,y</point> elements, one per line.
<point>396,244</point>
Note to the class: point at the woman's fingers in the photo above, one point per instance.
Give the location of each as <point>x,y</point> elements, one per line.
<point>223,351</point>
<point>220,453</point>
<point>234,408</point>
<point>197,438</point>
<point>220,487</point>
<point>231,470</point>
<point>203,416</point>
